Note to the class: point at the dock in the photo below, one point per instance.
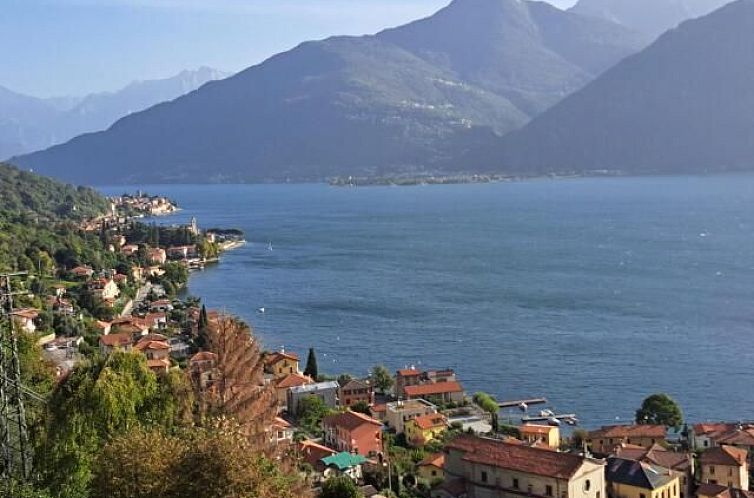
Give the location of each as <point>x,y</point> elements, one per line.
<point>565,416</point>
<point>527,402</point>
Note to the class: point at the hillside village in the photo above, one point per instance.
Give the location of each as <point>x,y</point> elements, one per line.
<point>415,432</point>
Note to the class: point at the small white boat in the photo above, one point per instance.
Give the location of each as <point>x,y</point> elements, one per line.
<point>546,413</point>
<point>523,407</point>
<point>261,311</point>
<point>269,247</point>
<point>553,421</point>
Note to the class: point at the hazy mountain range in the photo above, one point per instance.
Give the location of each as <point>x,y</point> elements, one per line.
<point>502,86</point>
<point>393,102</point>
<point>29,123</point>
<point>651,17</point>
<point>683,104</point>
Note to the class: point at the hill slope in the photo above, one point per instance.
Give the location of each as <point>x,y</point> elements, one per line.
<point>28,123</point>
<point>652,17</point>
<point>372,105</point>
<point>683,104</point>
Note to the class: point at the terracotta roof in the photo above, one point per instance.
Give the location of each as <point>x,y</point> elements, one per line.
<point>516,457</point>
<point>430,389</point>
<point>656,455</point>
<point>280,356</point>
<point>356,384</point>
<point>431,421</point>
<point>381,408</point>
<point>293,380</point>
<point>281,423</point>
<point>116,340</point>
<point>621,431</point>
<point>710,428</point>
<point>409,372</point>
<point>102,325</point>
<point>724,455</point>
<point>436,460</point>
<point>28,313</point>
<point>718,491</point>
<point>203,356</point>
<point>539,430</point>
<point>349,420</point>
<point>153,345</point>
<point>162,363</point>
<point>314,452</point>
<point>743,437</point>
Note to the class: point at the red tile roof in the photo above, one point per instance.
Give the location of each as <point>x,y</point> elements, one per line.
<point>409,372</point>
<point>518,458</point>
<point>431,421</point>
<point>280,356</point>
<point>293,380</point>
<point>153,345</point>
<point>539,430</point>
<point>436,460</point>
<point>314,452</point>
<point>718,491</point>
<point>433,389</point>
<point>621,431</point>
<point>349,420</point>
<point>116,340</point>
<point>203,356</point>
<point>724,455</point>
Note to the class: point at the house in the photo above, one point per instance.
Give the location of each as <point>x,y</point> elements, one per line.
<point>112,342</point>
<point>60,305</point>
<point>281,364</point>
<point>605,440</point>
<point>354,433</point>
<point>312,453</point>
<point>179,348</point>
<point>157,321</point>
<point>281,432</point>
<point>378,411</point>
<point>431,468</point>
<point>725,465</point>
<point>154,349</point>
<point>356,391</point>
<point>283,385</point>
<point>104,288</point>
<point>679,463</point>
<point>129,249</point>
<point>718,491</point>
<point>161,306</point>
<point>130,324</point>
<point>202,369</point>
<point>438,393</point>
<point>546,434</point>
<point>137,273</point>
<point>25,318</point>
<point>632,479</point>
<point>398,413</point>
<point>481,467</point>
<point>425,428</point>
<point>343,464</point>
<point>414,377</point>
<point>103,327</point>
<point>82,272</point>
<point>738,434</point>
<point>182,252</point>
<point>326,391</point>
<point>157,256</point>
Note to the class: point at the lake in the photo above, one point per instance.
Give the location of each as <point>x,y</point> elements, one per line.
<point>591,292</point>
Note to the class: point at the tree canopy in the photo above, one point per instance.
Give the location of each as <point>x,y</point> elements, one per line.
<point>340,487</point>
<point>382,379</point>
<point>660,409</point>
<point>311,369</point>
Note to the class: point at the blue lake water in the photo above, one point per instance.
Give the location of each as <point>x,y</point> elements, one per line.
<point>591,292</point>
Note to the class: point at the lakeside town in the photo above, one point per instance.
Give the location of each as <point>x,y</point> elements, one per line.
<point>412,432</point>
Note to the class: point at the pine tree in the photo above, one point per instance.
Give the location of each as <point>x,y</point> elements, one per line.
<point>311,365</point>
<point>202,327</point>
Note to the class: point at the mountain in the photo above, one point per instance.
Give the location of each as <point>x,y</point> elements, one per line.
<point>30,123</point>
<point>651,17</point>
<point>681,105</point>
<point>395,102</point>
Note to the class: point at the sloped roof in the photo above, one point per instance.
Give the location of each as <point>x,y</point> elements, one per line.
<point>113,340</point>
<point>431,421</point>
<point>718,491</point>
<point>656,455</point>
<point>621,431</point>
<point>724,455</point>
<point>538,430</point>
<point>434,460</point>
<point>280,356</point>
<point>344,460</point>
<point>349,420</point>
<point>516,457</point>
<point>293,380</point>
<point>637,474</point>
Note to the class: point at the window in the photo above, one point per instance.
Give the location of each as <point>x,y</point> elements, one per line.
<point>587,485</point>
<point>730,472</point>
<point>529,488</point>
<point>712,470</point>
<point>598,494</point>
<point>548,490</point>
<point>434,473</point>
<point>642,495</point>
<point>484,476</point>
<point>515,483</point>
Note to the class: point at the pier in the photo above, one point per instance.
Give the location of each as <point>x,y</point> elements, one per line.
<point>527,402</point>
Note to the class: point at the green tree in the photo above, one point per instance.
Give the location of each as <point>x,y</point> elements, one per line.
<point>311,411</point>
<point>340,487</point>
<point>311,369</point>
<point>660,409</point>
<point>382,379</point>
<point>488,404</point>
<point>361,407</point>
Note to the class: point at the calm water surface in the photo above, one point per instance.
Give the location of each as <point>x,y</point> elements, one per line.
<point>591,292</point>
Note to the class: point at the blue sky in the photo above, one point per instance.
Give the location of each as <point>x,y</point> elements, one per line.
<point>74,47</point>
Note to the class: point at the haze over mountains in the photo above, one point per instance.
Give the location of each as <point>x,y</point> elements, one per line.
<point>683,104</point>
<point>400,101</point>
<point>29,123</point>
<point>651,17</point>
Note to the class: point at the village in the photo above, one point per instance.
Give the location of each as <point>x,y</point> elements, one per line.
<point>413,431</point>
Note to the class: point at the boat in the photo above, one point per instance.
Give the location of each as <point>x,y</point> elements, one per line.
<point>523,407</point>
<point>553,421</point>
<point>261,311</point>
<point>547,413</point>
<point>269,247</point>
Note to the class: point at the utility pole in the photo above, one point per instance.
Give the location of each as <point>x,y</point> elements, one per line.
<point>15,450</point>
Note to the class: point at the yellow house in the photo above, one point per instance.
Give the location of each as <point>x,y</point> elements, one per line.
<point>632,479</point>
<point>423,429</point>
<point>540,434</point>
<point>282,364</point>
<point>725,465</point>
<point>432,468</point>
